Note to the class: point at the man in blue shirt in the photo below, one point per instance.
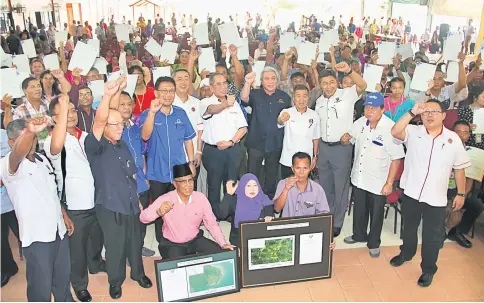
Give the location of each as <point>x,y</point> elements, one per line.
<point>132,137</point>
<point>169,134</point>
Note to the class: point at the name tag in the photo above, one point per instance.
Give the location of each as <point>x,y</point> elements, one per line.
<point>309,204</point>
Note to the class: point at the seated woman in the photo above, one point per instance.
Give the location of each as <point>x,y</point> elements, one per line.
<point>244,201</point>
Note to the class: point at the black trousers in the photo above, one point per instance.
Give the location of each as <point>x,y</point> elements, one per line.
<point>271,166</point>
<point>368,205</point>
<point>433,232</point>
<point>9,221</point>
<point>158,189</point>
<point>286,172</point>
<point>86,245</point>
<point>48,271</point>
<point>199,245</point>
<point>122,238</point>
<point>473,208</point>
<point>221,166</point>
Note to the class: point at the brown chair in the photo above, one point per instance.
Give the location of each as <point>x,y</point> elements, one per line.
<point>450,118</point>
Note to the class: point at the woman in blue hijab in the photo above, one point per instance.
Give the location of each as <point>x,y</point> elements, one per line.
<point>244,201</point>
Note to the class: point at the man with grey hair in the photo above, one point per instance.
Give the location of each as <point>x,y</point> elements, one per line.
<point>30,181</point>
<point>264,141</point>
<point>224,125</point>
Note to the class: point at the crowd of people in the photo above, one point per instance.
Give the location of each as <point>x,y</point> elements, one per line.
<point>295,145</point>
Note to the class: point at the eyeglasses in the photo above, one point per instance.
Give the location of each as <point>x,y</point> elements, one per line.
<point>117,125</point>
<point>166,92</point>
<point>431,113</point>
<point>186,181</point>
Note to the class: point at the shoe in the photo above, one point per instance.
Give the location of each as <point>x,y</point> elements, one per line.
<point>350,240</point>
<point>336,231</point>
<point>145,282</point>
<point>460,239</point>
<point>146,252</point>
<point>398,260</point>
<point>374,252</point>
<point>83,295</point>
<point>6,277</point>
<point>102,268</point>
<point>115,291</point>
<point>425,280</point>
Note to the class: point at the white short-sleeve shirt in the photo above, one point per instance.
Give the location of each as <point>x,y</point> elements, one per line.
<point>299,132</point>
<point>79,179</point>
<point>429,162</point>
<point>192,108</point>
<point>33,193</point>
<point>336,113</point>
<point>221,126</point>
<point>447,94</point>
<point>374,152</point>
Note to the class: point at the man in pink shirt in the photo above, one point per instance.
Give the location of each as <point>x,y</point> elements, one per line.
<point>183,211</point>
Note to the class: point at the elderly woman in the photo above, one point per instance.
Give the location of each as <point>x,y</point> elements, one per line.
<point>466,113</point>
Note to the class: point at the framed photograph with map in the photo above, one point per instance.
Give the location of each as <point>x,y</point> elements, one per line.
<point>286,250</point>
<point>197,277</point>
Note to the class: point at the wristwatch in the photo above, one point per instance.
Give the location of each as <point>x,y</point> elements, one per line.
<point>192,162</point>
<point>461,195</point>
<point>233,143</point>
<point>427,95</point>
<point>349,73</point>
<point>411,113</point>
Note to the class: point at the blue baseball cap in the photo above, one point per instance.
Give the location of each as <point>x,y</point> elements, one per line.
<point>374,99</point>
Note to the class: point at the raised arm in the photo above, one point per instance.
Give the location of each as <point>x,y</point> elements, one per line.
<point>280,202</point>
<point>65,86</point>
<point>462,82</point>
<point>60,128</point>
<point>102,113</point>
<point>249,82</point>
<point>62,56</point>
<point>270,48</point>
<point>149,123</point>
<point>7,110</point>
<point>239,68</point>
<point>345,68</point>
<point>285,64</point>
<point>218,108</point>
<point>399,129</point>
<point>114,104</point>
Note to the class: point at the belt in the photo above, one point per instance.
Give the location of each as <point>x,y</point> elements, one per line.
<point>215,146</point>
<point>331,143</point>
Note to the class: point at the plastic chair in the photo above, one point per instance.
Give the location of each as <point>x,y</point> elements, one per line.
<point>393,200</point>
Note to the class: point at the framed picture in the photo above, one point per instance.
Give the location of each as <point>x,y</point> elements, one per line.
<point>286,250</point>
<point>197,277</point>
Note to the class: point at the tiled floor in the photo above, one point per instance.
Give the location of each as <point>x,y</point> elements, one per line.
<point>356,276</point>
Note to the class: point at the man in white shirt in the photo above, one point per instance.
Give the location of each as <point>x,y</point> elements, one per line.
<point>65,148</point>
<point>377,160</point>
<point>44,224</point>
<point>432,152</point>
<point>336,108</point>
<point>224,125</point>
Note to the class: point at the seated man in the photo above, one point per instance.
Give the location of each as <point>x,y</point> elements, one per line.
<point>182,211</point>
<point>473,205</point>
<point>299,196</point>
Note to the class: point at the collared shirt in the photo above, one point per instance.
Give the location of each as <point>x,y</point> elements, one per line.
<point>336,113</point>
<point>310,202</point>
<point>27,111</point>
<point>395,111</point>
<point>33,193</point>
<point>113,169</point>
<point>447,93</point>
<point>374,152</point>
<point>6,204</point>
<point>264,135</point>
<point>85,120</point>
<point>166,146</point>
<point>79,186</point>
<point>299,132</point>
<point>192,109</point>
<point>137,148</point>
<point>182,223</point>
<point>429,162</point>
<point>221,126</point>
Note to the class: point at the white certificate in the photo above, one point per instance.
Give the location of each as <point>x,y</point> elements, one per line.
<point>6,59</point>
<point>386,52</point>
<point>122,32</point>
<point>22,63</point>
<point>478,121</point>
<point>168,52</point>
<point>60,36</point>
<point>311,248</point>
<point>131,84</point>
<point>372,76</point>
<point>327,39</point>
<point>258,68</point>
<point>29,48</point>
<point>10,83</point>
<point>452,48</point>
<point>206,61</point>
<point>243,50</point>
<point>201,33</point>
<point>452,71</point>
<point>174,284</point>
<point>287,40</point>
<point>97,89</point>
<point>153,47</point>
<point>158,72</point>
<point>306,53</point>
<point>423,74</point>
<point>51,62</point>
<point>229,34</point>
<point>83,57</point>
<point>115,75</point>
<point>476,156</point>
<point>405,50</point>
<point>101,65</point>
<point>96,44</point>
<point>298,41</point>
